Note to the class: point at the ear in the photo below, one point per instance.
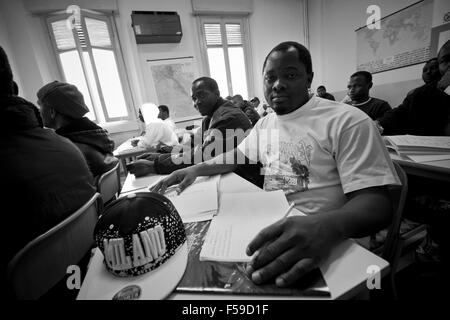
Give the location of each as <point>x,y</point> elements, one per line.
<point>370,85</point>
<point>52,113</point>
<point>310,79</point>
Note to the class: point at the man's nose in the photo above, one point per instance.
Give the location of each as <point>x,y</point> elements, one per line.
<point>278,85</point>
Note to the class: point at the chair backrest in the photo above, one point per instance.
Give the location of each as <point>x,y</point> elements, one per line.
<point>43,262</point>
<point>108,185</point>
<point>398,196</point>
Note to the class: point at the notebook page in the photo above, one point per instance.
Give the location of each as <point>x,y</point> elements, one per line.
<point>241,217</point>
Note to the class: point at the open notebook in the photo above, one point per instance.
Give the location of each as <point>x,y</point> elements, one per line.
<point>231,278</point>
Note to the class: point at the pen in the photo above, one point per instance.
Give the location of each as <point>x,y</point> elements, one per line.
<point>289,210</point>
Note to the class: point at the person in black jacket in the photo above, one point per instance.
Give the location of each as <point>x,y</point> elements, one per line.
<point>425,111</point>
<point>63,109</point>
<point>219,116</point>
<point>44,175</point>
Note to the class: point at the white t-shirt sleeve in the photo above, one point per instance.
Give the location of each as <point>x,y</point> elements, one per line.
<point>249,146</point>
<point>362,158</point>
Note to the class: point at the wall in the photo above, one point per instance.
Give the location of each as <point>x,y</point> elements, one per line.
<point>273,22</point>
<point>5,43</point>
<point>270,23</point>
<point>333,44</point>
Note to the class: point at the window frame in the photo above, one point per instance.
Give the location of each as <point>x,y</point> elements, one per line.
<point>223,19</point>
<point>115,48</point>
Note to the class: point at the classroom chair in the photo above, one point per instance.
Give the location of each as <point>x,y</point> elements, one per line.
<point>43,262</point>
<point>390,249</point>
<point>108,185</point>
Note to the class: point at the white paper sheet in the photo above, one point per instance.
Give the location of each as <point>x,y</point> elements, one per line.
<point>240,218</point>
<point>198,202</point>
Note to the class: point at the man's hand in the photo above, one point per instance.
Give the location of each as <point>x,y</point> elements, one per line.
<point>141,167</point>
<point>290,248</point>
<point>183,177</point>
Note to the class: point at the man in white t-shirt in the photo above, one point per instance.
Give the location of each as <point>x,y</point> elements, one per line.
<point>156,132</point>
<point>327,157</point>
<point>164,115</point>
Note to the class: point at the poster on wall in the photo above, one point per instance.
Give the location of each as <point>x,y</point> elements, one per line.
<point>403,40</point>
<point>172,79</point>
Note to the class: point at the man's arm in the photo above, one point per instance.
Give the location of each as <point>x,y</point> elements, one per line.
<point>187,176</point>
<point>294,246</point>
<point>382,109</point>
<point>394,120</point>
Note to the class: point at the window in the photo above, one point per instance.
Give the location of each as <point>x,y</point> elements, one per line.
<point>226,51</point>
<point>88,58</point>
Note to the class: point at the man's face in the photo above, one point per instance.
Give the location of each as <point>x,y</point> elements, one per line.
<point>358,88</point>
<point>321,92</point>
<point>46,114</point>
<point>286,81</point>
<point>162,115</point>
<point>444,59</point>
<point>431,72</point>
<point>204,99</point>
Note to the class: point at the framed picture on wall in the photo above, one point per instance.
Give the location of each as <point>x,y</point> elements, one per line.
<point>439,35</point>
<point>172,79</point>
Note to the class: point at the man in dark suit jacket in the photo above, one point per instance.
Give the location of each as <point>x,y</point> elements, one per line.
<point>220,116</point>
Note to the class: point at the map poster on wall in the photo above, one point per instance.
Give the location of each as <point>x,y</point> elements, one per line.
<point>173,79</point>
<point>403,40</point>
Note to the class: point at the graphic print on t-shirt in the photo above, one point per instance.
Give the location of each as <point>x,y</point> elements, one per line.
<point>290,170</point>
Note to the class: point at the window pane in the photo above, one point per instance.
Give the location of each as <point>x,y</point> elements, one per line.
<point>73,73</point>
<point>63,35</point>
<point>110,82</point>
<point>93,85</point>
<point>234,35</point>
<point>98,32</point>
<point>217,70</point>
<point>238,74</point>
<point>212,34</point>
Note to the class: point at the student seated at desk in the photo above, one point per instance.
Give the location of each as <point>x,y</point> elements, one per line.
<point>329,159</point>
<point>45,177</point>
<point>430,73</point>
<point>164,115</point>
<point>219,116</point>
<point>63,109</point>
<point>359,96</point>
<point>426,111</point>
<point>156,132</point>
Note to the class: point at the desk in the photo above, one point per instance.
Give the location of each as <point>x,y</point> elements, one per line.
<point>436,170</point>
<point>345,270</point>
<point>126,151</point>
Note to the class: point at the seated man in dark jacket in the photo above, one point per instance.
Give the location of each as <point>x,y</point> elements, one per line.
<point>426,111</point>
<point>220,115</point>
<point>63,109</point>
<point>44,175</point>
<point>247,108</point>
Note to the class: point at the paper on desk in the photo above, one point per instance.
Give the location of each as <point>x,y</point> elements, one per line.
<point>241,216</point>
<point>198,202</point>
<point>428,158</point>
<point>132,183</point>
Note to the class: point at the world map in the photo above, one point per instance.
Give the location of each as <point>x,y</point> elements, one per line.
<point>403,39</point>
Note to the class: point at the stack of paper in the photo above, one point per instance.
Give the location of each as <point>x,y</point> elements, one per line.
<point>240,218</point>
<point>420,148</point>
<point>198,202</point>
